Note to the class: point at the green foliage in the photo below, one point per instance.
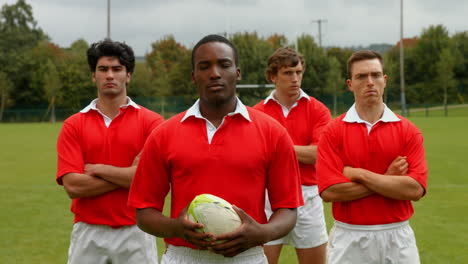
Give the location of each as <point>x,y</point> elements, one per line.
<point>19,34</point>
<point>5,89</point>
<point>170,65</point>
<point>316,66</point>
<point>25,51</point>
<point>335,83</point>
<point>253,52</point>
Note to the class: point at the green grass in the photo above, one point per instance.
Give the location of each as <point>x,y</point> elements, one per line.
<point>36,221</point>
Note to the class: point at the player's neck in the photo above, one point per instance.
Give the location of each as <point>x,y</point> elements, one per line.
<point>216,112</point>
<point>286,99</point>
<point>110,106</point>
<point>370,112</point>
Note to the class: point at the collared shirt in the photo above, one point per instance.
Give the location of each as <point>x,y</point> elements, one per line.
<point>302,94</point>
<point>210,128</point>
<point>352,116</point>
<point>107,120</point>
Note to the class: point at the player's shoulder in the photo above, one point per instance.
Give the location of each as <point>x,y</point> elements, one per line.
<point>147,113</point>
<point>407,124</point>
<point>260,105</point>
<point>262,119</point>
<point>335,124</point>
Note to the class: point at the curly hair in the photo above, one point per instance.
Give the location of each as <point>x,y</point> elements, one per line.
<point>107,47</point>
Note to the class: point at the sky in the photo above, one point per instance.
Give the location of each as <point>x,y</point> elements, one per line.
<point>344,22</point>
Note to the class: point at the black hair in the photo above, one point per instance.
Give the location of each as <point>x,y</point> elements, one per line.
<point>214,38</point>
<point>107,47</point>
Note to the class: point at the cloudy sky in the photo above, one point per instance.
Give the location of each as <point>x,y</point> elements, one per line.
<point>141,22</point>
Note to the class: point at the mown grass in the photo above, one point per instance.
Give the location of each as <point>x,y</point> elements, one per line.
<point>36,220</point>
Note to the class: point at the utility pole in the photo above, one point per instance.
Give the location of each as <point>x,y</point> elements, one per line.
<point>402,65</point>
<point>319,22</point>
<point>108,19</point>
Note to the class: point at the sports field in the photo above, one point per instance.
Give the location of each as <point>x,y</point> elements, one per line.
<point>36,222</point>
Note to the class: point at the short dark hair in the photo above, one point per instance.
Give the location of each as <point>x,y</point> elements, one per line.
<point>283,57</point>
<point>107,47</point>
<point>363,55</point>
<point>214,38</point>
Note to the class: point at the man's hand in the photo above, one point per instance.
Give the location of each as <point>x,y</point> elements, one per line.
<point>249,234</point>
<point>187,231</point>
<point>93,169</point>
<point>399,166</point>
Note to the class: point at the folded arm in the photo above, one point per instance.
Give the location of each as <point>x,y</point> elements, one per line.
<point>84,185</point>
<point>391,186</point>
<point>306,154</point>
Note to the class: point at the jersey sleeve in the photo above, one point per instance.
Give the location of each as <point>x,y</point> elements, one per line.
<point>415,155</point>
<point>150,184</point>
<point>154,121</point>
<point>329,164</point>
<point>283,182</point>
<point>322,118</point>
<point>69,151</point>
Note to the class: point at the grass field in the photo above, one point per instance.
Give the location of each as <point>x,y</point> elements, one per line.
<point>36,222</point>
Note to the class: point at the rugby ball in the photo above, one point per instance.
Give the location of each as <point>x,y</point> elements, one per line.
<point>216,214</point>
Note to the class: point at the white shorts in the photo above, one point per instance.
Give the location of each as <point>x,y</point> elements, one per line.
<point>372,244</point>
<point>310,230</point>
<point>103,244</point>
<point>181,255</point>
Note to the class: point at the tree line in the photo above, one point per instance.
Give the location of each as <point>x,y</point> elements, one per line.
<point>36,72</point>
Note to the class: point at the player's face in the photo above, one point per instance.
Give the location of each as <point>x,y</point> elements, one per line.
<point>367,81</point>
<point>215,73</point>
<point>288,79</point>
<point>111,77</point>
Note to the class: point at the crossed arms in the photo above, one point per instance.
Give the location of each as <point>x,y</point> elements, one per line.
<point>393,184</point>
<point>98,179</point>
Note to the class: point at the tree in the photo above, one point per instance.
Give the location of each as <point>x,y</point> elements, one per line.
<point>253,52</point>
<point>168,61</point>
<point>5,87</point>
<point>316,62</point>
<point>52,86</point>
<point>334,82</point>
<point>445,74</point>
<point>277,41</point>
<point>19,33</point>
<point>421,65</point>
<point>459,44</point>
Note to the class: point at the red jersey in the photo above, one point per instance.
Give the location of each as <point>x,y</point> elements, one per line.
<point>304,124</point>
<point>85,139</point>
<point>350,144</point>
<point>245,157</point>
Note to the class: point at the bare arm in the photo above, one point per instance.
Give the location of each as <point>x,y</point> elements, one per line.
<point>121,176</point>
<point>152,221</point>
<point>392,186</point>
<point>84,185</point>
<point>251,233</point>
<point>347,191</point>
<point>306,154</point>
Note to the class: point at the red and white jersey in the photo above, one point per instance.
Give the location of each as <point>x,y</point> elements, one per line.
<point>86,139</point>
<point>349,141</point>
<point>304,122</point>
<point>249,153</point>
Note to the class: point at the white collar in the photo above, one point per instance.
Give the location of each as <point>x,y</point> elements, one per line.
<point>302,94</point>
<point>93,105</point>
<point>194,110</point>
<point>352,116</point>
